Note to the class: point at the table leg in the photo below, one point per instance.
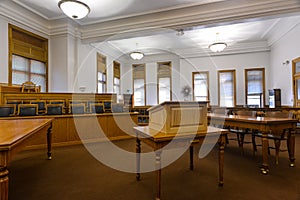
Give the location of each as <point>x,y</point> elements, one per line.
<point>158,173</point>
<point>138,158</point>
<point>265,157</point>
<point>221,159</point>
<point>49,142</point>
<point>191,157</point>
<point>291,147</point>
<point>3,183</point>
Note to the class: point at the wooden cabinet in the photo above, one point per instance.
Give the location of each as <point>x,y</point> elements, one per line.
<point>274,98</point>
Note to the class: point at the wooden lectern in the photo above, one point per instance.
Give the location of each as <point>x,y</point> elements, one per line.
<point>179,117</point>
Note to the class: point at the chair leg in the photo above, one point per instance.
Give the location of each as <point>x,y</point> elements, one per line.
<point>242,137</point>
<point>277,149</point>
<point>226,139</point>
<point>254,144</point>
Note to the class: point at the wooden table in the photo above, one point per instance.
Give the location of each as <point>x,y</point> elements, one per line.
<point>14,135</point>
<point>158,140</point>
<point>265,125</point>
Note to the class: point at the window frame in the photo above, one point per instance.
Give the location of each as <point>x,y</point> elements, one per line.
<point>101,59</point>
<point>207,83</point>
<point>33,51</point>
<point>168,63</point>
<point>233,71</point>
<point>117,67</point>
<point>144,77</point>
<point>263,84</point>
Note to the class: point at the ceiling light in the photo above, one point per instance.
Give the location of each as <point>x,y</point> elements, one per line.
<point>74,9</point>
<point>136,55</point>
<point>217,46</point>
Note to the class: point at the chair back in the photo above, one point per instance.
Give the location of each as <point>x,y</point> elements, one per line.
<point>117,107</point>
<point>54,109</point>
<point>15,103</point>
<point>279,114</point>
<point>96,108</point>
<point>27,109</point>
<point>7,110</point>
<point>41,105</point>
<point>248,113</point>
<point>222,111</point>
<point>77,108</point>
<point>107,106</point>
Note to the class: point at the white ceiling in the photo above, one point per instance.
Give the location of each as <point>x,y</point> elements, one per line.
<point>103,10</point>
<point>234,33</point>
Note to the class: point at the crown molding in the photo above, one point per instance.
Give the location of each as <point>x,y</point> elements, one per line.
<point>238,48</point>
<point>201,15</point>
<point>11,12</point>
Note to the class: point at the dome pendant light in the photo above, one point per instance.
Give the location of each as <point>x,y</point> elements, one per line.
<point>136,55</point>
<point>74,9</point>
<point>217,46</point>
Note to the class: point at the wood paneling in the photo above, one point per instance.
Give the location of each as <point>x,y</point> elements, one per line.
<point>76,129</point>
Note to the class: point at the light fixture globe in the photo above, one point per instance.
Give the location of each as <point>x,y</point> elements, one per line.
<point>74,9</point>
<point>217,47</point>
<point>136,55</point>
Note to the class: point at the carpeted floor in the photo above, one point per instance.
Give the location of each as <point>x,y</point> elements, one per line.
<point>76,175</point>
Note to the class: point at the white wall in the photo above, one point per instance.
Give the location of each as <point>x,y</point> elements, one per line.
<point>287,48</point>
<point>3,51</point>
<point>58,65</point>
<point>238,62</point>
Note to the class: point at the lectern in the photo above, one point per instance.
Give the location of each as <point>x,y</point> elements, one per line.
<point>179,117</point>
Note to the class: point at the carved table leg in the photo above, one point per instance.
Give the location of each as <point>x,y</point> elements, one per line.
<point>221,159</point>
<point>191,157</point>
<point>3,183</point>
<point>291,147</point>
<point>138,155</point>
<point>158,174</point>
<point>265,157</point>
<point>49,142</point>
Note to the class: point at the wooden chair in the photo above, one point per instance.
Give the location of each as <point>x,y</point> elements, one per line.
<point>14,102</point>
<point>77,108</point>
<point>60,102</point>
<point>96,108</point>
<point>116,107</point>
<point>276,138</point>
<point>27,109</point>
<point>54,109</point>
<point>30,87</point>
<point>240,133</point>
<point>7,110</point>
<point>41,105</point>
<point>107,106</point>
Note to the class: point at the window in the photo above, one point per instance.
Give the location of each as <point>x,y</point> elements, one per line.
<point>200,86</point>
<point>139,90</point>
<point>255,87</point>
<point>117,77</point>
<point>227,86</point>
<point>296,81</point>
<point>101,73</point>
<point>28,58</point>
<point>164,82</point>
<point>24,69</point>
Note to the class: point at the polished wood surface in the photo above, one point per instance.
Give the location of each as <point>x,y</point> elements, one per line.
<point>14,136</point>
<point>179,116</point>
<point>66,128</point>
<point>265,125</point>
<point>157,140</point>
